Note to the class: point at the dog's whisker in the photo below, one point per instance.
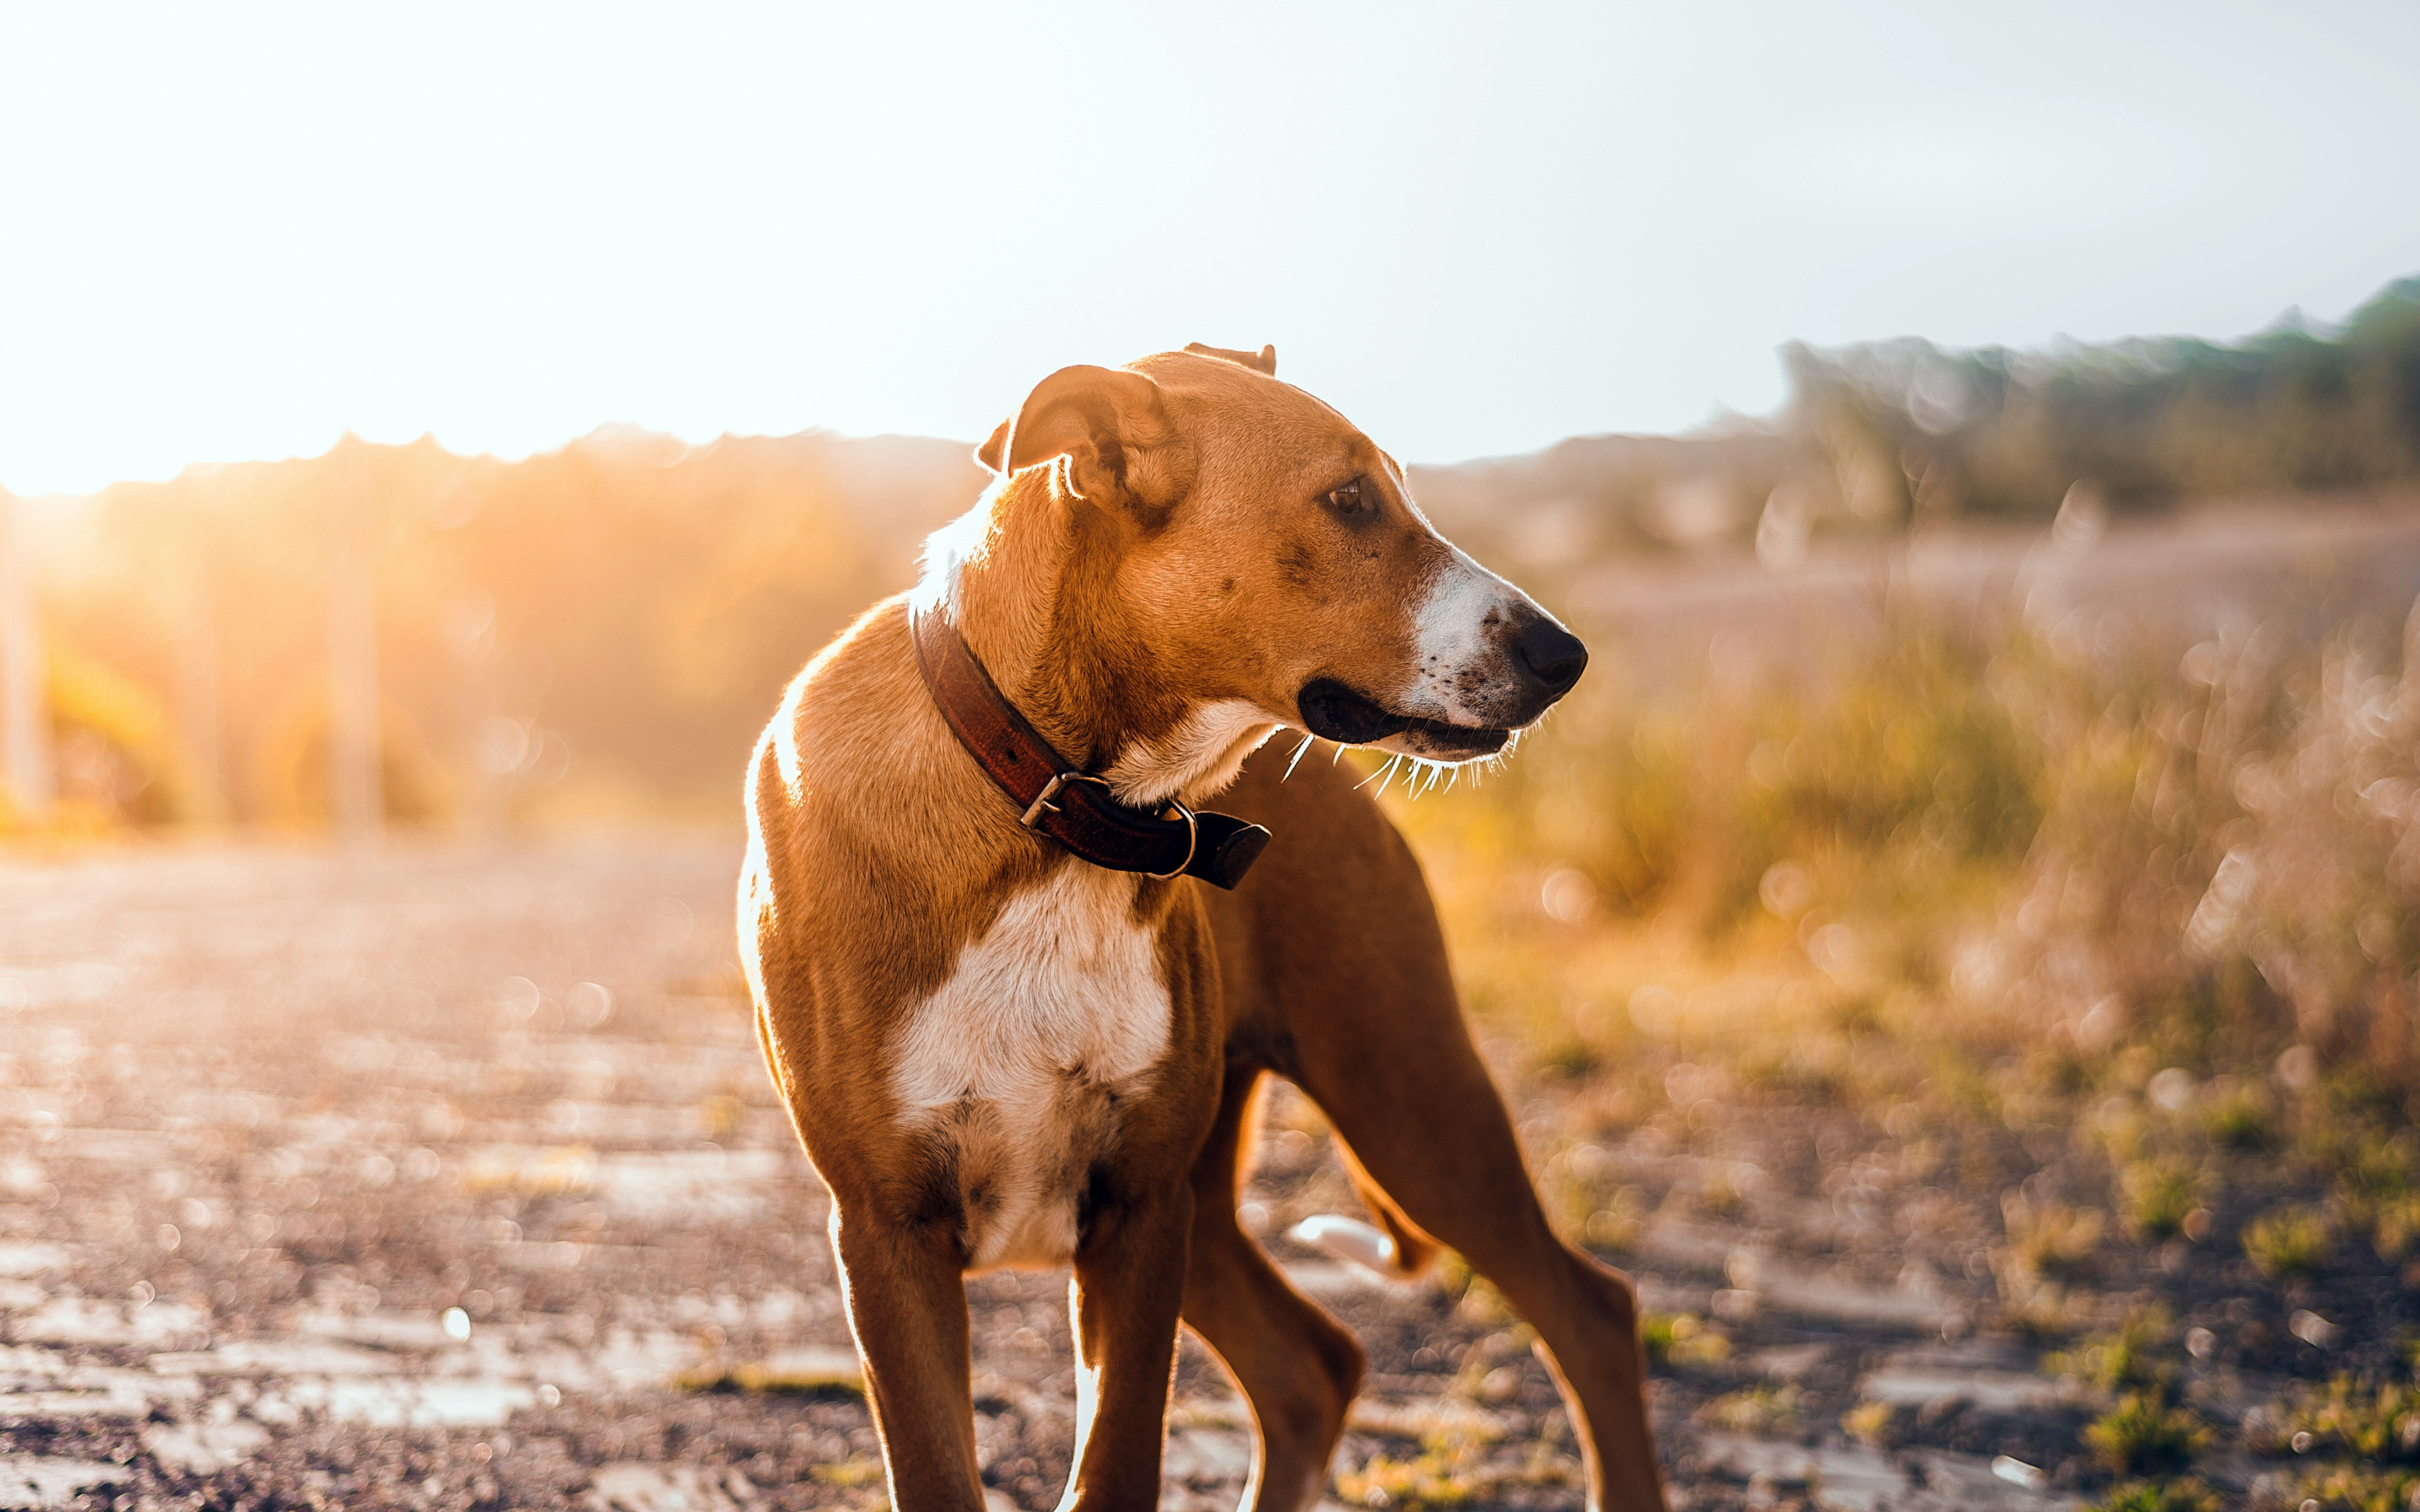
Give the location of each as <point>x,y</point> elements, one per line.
<point>1383,776</point>
<point>1308,741</point>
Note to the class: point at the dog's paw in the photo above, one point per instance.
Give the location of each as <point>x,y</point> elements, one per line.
<point>1349,1238</point>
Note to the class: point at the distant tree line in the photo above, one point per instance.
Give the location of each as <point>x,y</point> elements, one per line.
<point>596,632</point>
<point>602,630</point>
<point>1911,427</point>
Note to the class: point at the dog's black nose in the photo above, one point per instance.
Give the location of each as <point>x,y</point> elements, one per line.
<point>1549,655</point>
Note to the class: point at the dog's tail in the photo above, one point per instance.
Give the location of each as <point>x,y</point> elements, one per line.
<point>1397,1248</point>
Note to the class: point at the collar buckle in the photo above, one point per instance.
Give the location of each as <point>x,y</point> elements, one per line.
<point>1042,804</point>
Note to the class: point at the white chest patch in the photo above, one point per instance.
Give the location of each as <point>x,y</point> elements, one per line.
<point>1022,1058</point>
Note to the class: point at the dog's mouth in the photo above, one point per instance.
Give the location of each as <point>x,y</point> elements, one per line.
<point>1334,712</point>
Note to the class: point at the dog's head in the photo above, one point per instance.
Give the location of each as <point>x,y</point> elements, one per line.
<point>1272,564</point>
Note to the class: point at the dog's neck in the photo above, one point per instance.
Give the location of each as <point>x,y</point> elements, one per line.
<point>1013,575</point>
<point>1027,578</point>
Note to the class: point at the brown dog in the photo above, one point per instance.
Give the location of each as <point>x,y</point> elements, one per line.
<point>998,1053</point>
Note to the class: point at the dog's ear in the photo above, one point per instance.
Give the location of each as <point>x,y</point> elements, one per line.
<point>1111,427</point>
<point>1266,359</point>
<point>993,453</point>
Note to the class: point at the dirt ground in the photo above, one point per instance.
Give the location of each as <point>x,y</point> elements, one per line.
<point>449,1176</point>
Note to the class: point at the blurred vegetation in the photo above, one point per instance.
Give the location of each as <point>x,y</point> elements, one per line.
<point>598,632</point>
<point>1886,435</point>
<point>2186,1495</point>
<point>1999,432</point>
<point>1976,838</point>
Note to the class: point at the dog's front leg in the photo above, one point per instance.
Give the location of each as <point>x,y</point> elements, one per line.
<point>1128,1286</point>
<point>907,1300</point>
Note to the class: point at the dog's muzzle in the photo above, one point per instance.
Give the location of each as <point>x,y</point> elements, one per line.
<point>1334,712</point>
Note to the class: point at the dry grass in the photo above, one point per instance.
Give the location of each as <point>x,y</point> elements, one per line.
<point>2131,1357</point>
<point>2216,857</point>
<point>1682,1340</point>
<point>2289,1242</point>
<point>2186,1495</point>
<point>2172,905</point>
<point>2358,1489</point>
<point>2158,1196</point>
<point>2051,1236</point>
<point>1761,1409</point>
<point>1872,1424</point>
<point>2144,1433</point>
<point>2369,1420</point>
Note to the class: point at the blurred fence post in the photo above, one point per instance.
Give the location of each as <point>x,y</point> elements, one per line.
<point>25,703</point>
<point>356,804</point>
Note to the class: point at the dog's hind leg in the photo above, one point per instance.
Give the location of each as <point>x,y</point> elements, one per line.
<point>1399,1078</point>
<point>1297,1367</point>
<point>1413,1249</point>
<point>1340,971</point>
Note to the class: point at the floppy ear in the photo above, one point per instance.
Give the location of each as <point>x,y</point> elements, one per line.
<point>994,452</point>
<point>1111,427</point>
<point>1266,359</point>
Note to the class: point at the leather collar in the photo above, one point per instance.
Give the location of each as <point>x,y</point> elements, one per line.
<point>1078,809</point>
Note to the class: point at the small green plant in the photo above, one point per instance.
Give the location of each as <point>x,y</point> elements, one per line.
<point>2375,1187</point>
<point>2158,1196</point>
<point>2143,1433</point>
<point>2289,1242</point>
<point>2239,1118</point>
<point>2126,1358</point>
<point>2362,1418</point>
<point>1680,1339</point>
<point>1452,1467</point>
<point>1476,1299</point>
<point>1437,1477</point>
<point>2186,1495</point>
<point>859,1469</point>
<point>1759,1409</point>
<point>2358,1489</point>
<point>2029,1305</point>
<point>2051,1236</point>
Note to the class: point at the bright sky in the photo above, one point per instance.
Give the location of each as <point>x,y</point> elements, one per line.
<point>228,233</point>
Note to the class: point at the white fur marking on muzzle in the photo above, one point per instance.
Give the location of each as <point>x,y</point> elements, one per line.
<point>1450,641</point>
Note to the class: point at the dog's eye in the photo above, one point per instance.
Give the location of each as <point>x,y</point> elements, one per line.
<point>1349,500</point>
